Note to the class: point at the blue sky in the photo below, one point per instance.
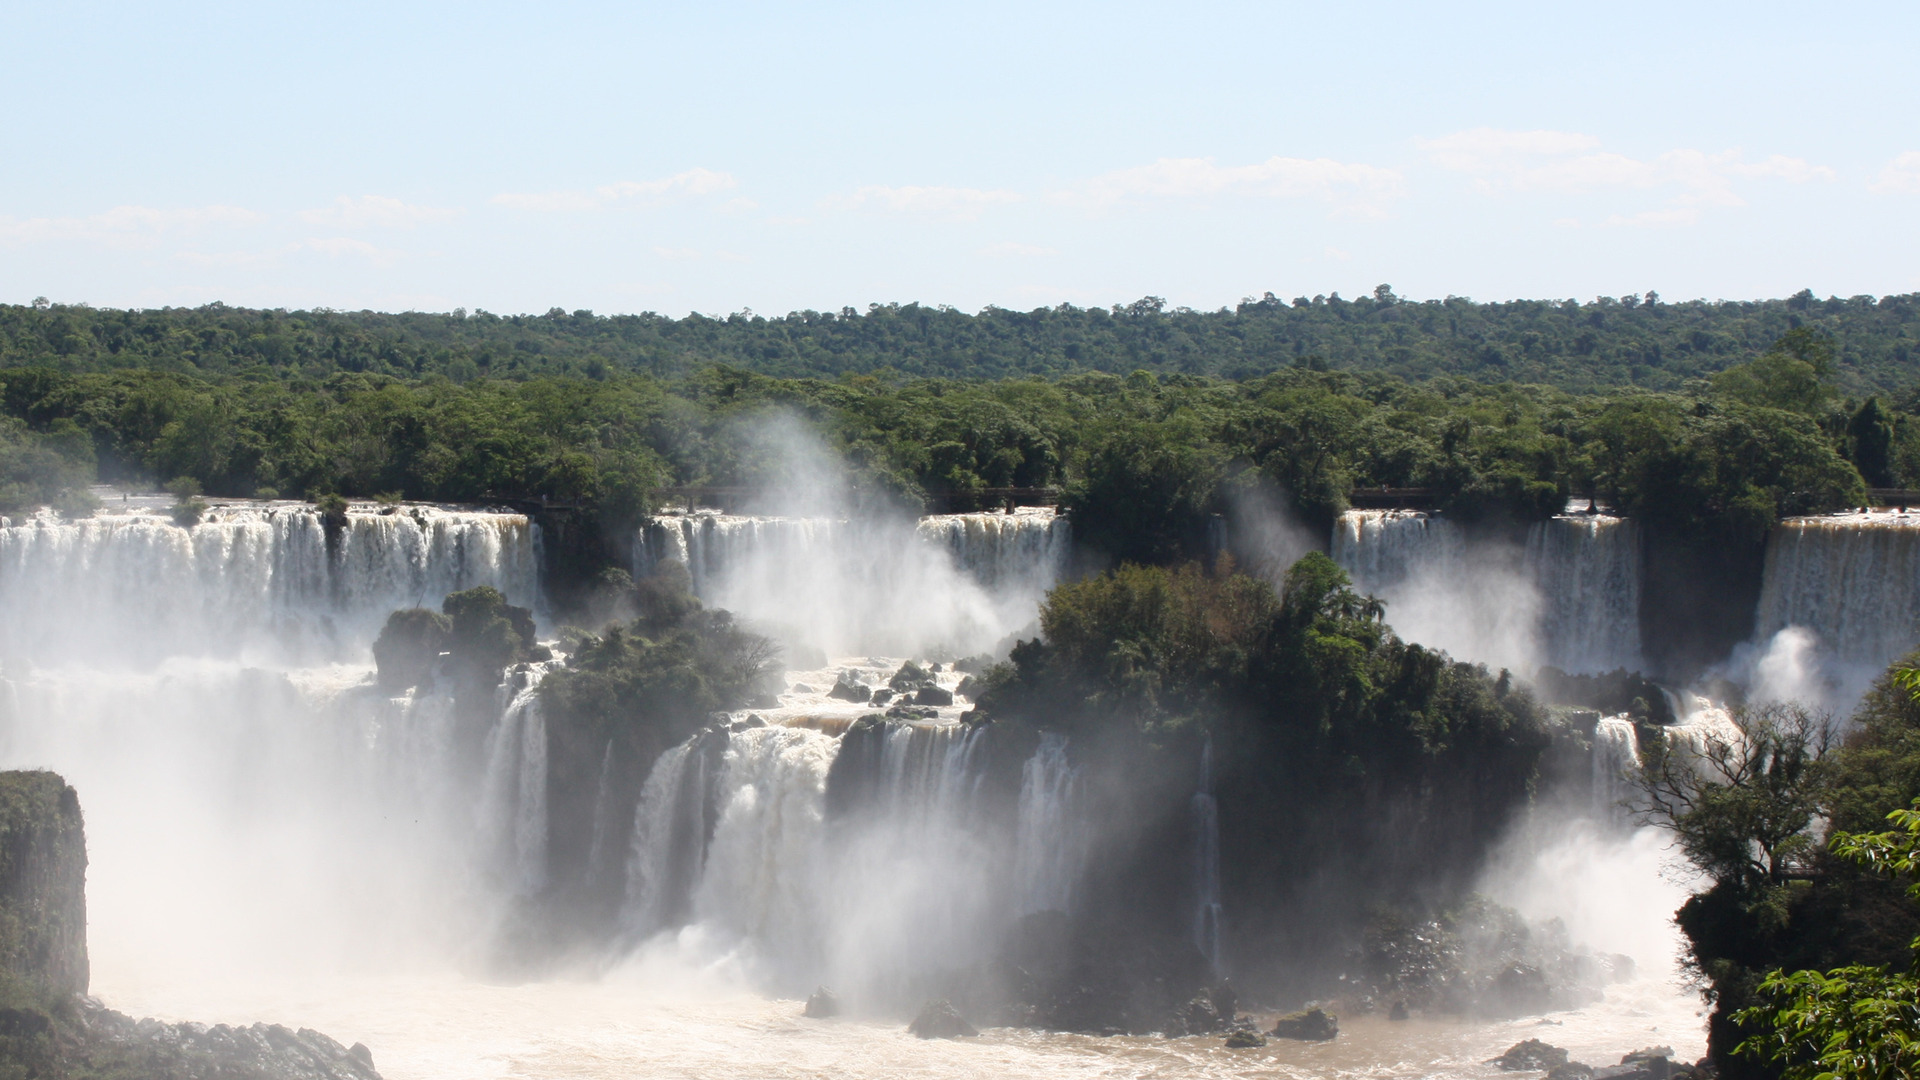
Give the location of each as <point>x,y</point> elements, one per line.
<point>786,156</point>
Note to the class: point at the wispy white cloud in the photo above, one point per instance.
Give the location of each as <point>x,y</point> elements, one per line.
<point>1902,174</point>
<point>334,246</point>
<point>1567,163</point>
<point>691,183</point>
<point>952,202</point>
<point>375,211</point>
<point>1352,188</point>
<point>1012,250</point>
<point>124,226</point>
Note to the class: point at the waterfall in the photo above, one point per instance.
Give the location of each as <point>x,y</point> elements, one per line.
<point>761,884</point>
<point>1050,836</point>
<point>1477,602</point>
<point>951,582</point>
<point>1569,598</point>
<point>259,581</point>
<point>1027,549</point>
<point>1853,582</point>
<point>1616,758</point>
<point>1206,864</point>
<point>513,802</point>
<point>1587,569</point>
<point>670,830</point>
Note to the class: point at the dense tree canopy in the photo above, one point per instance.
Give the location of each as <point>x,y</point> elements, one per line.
<point>1630,341</point>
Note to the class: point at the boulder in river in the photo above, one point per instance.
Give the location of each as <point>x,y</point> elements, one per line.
<point>1245,1040</point>
<point>822,1003</point>
<point>848,688</point>
<point>1531,1054</point>
<point>933,695</point>
<point>1313,1025</point>
<point>940,1020</point>
<point>1572,1070</point>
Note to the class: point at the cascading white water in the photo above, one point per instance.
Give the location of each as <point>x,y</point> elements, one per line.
<point>1616,758</point>
<point>948,583</point>
<point>1587,570</point>
<point>255,581</point>
<point>1570,598</point>
<point>1207,909</point>
<point>1851,582</point>
<point>1476,603</point>
<point>1050,842</point>
<point>512,816</point>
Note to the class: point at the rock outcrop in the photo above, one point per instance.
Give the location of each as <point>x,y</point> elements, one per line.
<point>940,1020</point>
<point>1313,1025</point>
<point>822,1003</point>
<point>50,1028</point>
<point>43,885</point>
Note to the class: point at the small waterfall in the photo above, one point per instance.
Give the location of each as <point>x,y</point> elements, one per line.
<point>1587,568</point>
<point>1616,758</point>
<point>1027,549</point>
<point>1478,603</point>
<point>259,580</point>
<point>513,802</point>
<point>1206,864</point>
<point>762,882</point>
<point>949,583</point>
<point>1050,837</point>
<point>672,823</point>
<point>1853,582</point>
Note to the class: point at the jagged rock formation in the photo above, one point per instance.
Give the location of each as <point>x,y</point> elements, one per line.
<point>43,880</point>
<point>49,1029</point>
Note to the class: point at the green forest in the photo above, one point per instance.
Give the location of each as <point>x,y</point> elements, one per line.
<point>1605,343</point>
<point>1142,459</point>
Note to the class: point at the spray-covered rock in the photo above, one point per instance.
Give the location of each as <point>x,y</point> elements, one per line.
<point>940,1020</point>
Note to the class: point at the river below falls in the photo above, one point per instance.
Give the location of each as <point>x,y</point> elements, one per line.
<point>662,1020</point>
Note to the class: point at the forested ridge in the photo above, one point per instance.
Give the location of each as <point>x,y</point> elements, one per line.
<point>1608,342</point>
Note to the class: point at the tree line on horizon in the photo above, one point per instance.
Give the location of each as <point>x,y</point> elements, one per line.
<point>1144,460</point>
<point>1608,342</point>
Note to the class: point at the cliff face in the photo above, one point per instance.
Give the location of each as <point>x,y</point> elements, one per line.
<point>43,883</point>
<point>49,1029</point>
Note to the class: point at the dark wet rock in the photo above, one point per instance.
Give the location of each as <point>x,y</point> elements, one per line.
<point>49,1028</point>
<point>848,688</point>
<point>1572,1070</point>
<point>940,1020</point>
<point>933,695</point>
<point>909,678</point>
<point>966,687</point>
<point>1531,1054</point>
<point>1245,1040</point>
<point>1197,1017</point>
<point>881,696</point>
<point>1398,1012</point>
<point>908,713</point>
<point>1651,1063</point>
<point>1313,1025</point>
<point>1226,1001</point>
<point>822,1003</point>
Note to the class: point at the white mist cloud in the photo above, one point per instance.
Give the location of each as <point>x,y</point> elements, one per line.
<point>124,226</point>
<point>1567,163</point>
<point>375,211</point>
<point>692,183</point>
<point>1012,250</point>
<point>1352,187</point>
<point>952,202</point>
<point>1902,174</point>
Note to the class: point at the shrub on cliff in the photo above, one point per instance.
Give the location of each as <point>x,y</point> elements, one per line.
<point>664,671</point>
<point>408,645</point>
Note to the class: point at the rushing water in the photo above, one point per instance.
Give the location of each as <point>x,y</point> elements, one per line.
<point>275,837</point>
<point>1569,597</point>
<point>961,583</point>
<point>1840,600</point>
